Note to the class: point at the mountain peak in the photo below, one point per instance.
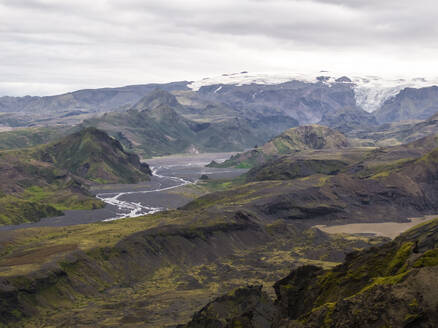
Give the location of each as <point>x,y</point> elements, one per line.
<point>307,137</point>
<point>94,155</point>
<point>155,99</point>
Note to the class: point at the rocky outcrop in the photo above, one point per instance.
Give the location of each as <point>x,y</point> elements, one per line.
<point>389,286</point>
<point>244,307</point>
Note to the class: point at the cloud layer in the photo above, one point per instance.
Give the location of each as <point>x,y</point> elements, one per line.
<point>52,46</point>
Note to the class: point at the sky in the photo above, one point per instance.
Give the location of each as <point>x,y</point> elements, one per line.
<point>54,46</point>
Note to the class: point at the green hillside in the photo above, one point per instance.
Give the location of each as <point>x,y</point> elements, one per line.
<point>294,140</point>
<point>388,286</point>
<point>93,155</point>
<point>45,180</point>
<point>164,267</point>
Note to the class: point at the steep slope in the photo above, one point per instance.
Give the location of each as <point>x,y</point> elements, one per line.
<point>31,189</point>
<point>45,180</point>
<point>294,140</point>
<point>156,126</point>
<point>93,155</point>
<point>409,104</point>
<point>346,120</point>
<point>391,285</point>
<point>152,131</point>
<point>399,133</point>
<point>370,92</point>
<point>304,101</point>
<point>160,269</point>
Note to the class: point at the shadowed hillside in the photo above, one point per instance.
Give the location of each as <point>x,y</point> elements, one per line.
<point>156,126</point>
<point>388,286</point>
<point>161,268</point>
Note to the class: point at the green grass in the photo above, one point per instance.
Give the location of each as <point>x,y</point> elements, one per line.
<point>29,137</point>
<point>429,258</point>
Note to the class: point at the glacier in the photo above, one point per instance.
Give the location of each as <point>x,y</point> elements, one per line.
<point>370,91</point>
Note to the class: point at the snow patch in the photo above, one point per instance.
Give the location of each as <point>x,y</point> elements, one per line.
<point>371,92</point>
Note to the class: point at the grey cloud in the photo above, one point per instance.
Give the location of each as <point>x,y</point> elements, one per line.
<point>66,44</point>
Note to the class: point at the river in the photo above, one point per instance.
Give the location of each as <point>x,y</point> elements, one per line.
<point>131,200</point>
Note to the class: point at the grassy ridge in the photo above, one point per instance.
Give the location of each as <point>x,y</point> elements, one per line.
<point>29,137</point>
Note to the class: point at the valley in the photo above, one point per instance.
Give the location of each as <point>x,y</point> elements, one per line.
<point>160,193</point>
<point>218,164</point>
<point>153,209</point>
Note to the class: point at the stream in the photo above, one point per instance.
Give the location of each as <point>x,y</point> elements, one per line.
<point>130,209</point>
<point>158,194</point>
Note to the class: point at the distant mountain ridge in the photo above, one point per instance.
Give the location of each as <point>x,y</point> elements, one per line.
<point>155,126</point>
<point>230,113</point>
<point>312,98</point>
<point>294,140</point>
<point>96,100</point>
<point>409,104</point>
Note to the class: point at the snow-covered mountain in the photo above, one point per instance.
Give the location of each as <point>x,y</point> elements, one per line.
<point>370,91</point>
<point>340,101</point>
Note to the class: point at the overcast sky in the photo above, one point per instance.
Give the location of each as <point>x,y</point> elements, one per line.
<point>53,46</point>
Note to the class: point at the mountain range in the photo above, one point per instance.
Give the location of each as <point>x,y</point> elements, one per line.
<point>178,117</point>
<point>243,252</point>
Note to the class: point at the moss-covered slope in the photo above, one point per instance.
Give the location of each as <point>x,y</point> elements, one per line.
<point>30,137</point>
<point>308,137</point>
<point>392,285</point>
<point>45,180</point>
<point>95,156</point>
<point>31,189</point>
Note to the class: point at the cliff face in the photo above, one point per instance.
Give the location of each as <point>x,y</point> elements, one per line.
<point>388,286</point>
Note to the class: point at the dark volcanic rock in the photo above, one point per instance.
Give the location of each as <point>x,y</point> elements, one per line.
<point>244,307</point>
<point>391,285</point>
